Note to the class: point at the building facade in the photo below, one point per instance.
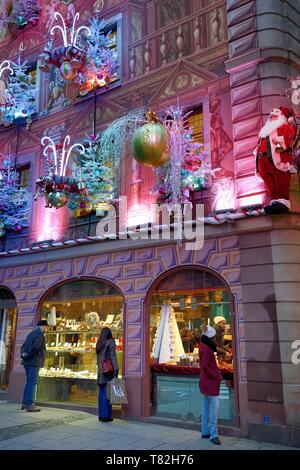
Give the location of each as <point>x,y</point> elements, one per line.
<point>228,63</point>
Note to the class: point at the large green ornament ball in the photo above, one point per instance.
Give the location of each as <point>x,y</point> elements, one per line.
<point>149,145</point>
<point>58,199</point>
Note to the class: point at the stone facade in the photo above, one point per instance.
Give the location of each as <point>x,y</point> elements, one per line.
<point>258,41</point>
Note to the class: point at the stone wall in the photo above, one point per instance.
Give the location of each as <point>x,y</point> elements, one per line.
<point>133,271</point>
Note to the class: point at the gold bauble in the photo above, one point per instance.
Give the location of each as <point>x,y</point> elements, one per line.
<point>149,143</point>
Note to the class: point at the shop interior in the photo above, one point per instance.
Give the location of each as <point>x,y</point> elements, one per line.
<point>179,306</point>
<point>76,314</point>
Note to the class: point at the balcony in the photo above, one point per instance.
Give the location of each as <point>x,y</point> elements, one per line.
<point>186,37</point>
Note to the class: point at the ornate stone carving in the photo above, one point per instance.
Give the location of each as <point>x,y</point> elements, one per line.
<point>197,33</point>
<point>147,55</point>
<point>221,143</point>
<point>164,48</point>
<point>180,41</point>
<point>132,63</point>
<point>216,28</point>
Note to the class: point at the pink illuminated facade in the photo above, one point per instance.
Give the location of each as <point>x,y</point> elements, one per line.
<point>229,60</point>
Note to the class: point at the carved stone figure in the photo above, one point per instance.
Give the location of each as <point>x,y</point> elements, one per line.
<point>221,143</point>
<point>216,24</point>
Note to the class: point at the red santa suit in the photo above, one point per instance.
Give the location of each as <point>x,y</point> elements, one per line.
<point>274,166</point>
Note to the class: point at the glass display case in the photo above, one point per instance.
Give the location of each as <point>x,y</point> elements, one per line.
<point>70,370</point>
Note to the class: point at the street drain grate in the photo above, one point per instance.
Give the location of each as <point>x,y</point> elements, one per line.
<point>21,429</point>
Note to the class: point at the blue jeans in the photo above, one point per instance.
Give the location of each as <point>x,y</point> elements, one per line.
<point>209,417</point>
<point>31,383</point>
<point>104,407</point>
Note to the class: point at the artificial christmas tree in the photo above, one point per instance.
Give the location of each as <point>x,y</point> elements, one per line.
<point>98,172</point>
<point>167,345</point>
<point>25,11</point>
<point>14,200</point>
<point>20,94</point>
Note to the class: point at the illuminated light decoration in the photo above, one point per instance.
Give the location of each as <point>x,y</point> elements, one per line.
<point>139,214</point>
<point>223,195</point>
<point>89,62</point>
<point>58,188</point>
<point>5,66</point>
<point>249,201</point>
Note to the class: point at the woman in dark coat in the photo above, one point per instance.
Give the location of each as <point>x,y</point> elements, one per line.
<point>210,379</point>
<point>105,348</point>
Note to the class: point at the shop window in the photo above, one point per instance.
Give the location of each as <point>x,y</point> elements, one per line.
<point>8,318</point>
<point>179,306</point>
<point>196,123</point>
<point>77,312</point>
<point>24,175</point>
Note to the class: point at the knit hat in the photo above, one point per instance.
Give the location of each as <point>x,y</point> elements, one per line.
<point>42,323</point>
<point>208,331</point>
<point>218,319</point>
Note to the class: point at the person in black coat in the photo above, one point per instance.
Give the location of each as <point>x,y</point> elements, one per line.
<point>105,349</point>
<point>33,353</point>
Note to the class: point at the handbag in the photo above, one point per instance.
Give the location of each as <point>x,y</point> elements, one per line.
<point>116,392</point>
<point>106,364</point>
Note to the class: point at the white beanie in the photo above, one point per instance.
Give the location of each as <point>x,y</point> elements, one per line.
<point>217,320</point>
<point>208,331</point>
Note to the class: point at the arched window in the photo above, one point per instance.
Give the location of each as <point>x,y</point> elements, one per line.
<point>180,303</point>
<point>76,312</point>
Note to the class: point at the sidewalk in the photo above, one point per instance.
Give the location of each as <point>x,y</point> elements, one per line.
<point>57,429</point>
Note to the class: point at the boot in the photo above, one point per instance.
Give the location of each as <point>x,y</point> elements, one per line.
<point>216,441</point>
<point>33,408</point>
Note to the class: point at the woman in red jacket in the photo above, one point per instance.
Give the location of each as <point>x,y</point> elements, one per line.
<point>210,379</point>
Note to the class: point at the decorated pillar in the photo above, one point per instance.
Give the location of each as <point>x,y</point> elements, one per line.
<point>260,37</point>
<point>263,49</point>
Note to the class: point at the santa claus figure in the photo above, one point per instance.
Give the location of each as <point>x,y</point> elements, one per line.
<point>274,158</point>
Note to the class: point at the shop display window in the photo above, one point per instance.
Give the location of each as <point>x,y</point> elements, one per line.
<point>181,303</point>
<point>8,319</point>
<point>76,313</point>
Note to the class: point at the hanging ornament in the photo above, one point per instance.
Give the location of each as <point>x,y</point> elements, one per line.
<point>67,71</point>
<point>89,61</point>
<point>58,188</point>
<point>149,143</point>
<point>58,198</point>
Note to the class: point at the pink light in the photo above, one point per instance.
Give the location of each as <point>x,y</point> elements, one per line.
<point>140,214</point>
<point>49,224</point>
<point>224,195</point>
<point>257,199</point>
